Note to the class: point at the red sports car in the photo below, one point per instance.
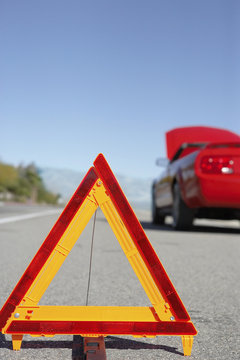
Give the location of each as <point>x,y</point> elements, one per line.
<point>202,178</point>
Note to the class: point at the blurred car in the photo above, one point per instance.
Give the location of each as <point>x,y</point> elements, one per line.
<point>201,179</point>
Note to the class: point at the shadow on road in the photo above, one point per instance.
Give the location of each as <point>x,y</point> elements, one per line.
<point>37,344</point>
<point>214,229</point>
<point>77,348</point>
<point>4,343</point>
<point>76,345</point>
<point>114,342</point>
<point>111,342</point>
<point>148,225</point>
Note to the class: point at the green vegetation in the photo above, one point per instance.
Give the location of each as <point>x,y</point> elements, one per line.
<point>24,184</point>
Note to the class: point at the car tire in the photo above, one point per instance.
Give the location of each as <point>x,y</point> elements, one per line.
<point>182,215</point>
<point>157,218</point>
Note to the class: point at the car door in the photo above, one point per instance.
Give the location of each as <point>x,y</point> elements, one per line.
<point>163,193</point>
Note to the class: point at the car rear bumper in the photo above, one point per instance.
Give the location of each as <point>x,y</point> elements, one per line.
<point>218,191</point>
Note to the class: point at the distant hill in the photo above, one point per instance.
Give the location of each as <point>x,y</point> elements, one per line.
<point>65,182</point>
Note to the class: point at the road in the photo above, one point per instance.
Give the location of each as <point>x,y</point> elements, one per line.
<point>203,265</point>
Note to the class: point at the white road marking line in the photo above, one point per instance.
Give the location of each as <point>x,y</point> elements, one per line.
<point>28,216</point>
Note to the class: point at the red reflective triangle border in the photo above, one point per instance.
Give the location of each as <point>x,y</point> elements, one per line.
<point>140,239</point>
<point>47,247</point>
<point>101,327</point>
<point>181,326</point>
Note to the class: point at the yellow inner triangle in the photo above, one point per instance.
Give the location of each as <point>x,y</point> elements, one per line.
<point>29,308</point>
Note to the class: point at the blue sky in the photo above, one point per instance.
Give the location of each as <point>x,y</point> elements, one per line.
<point>83,77</point>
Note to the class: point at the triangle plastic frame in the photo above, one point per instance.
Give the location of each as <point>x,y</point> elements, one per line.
<point>21,313</point>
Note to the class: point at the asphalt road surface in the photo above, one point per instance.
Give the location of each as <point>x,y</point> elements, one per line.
<point>203,265</point>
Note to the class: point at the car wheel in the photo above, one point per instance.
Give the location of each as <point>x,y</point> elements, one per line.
<point>157,218</point>
<point>181,213</point>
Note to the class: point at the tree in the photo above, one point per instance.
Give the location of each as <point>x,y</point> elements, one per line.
<point>24,183</point>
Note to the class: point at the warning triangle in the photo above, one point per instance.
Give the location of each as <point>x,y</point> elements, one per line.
<point>21,313</point>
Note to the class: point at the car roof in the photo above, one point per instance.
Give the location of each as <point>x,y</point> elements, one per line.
<point>194,134</point>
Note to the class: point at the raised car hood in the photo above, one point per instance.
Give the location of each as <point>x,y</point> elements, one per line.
<point>194,134</point>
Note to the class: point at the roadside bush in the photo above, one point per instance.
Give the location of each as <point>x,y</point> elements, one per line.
<point>24,184</point>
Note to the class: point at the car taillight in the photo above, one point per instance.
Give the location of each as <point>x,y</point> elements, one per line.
<point>217,165</point>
